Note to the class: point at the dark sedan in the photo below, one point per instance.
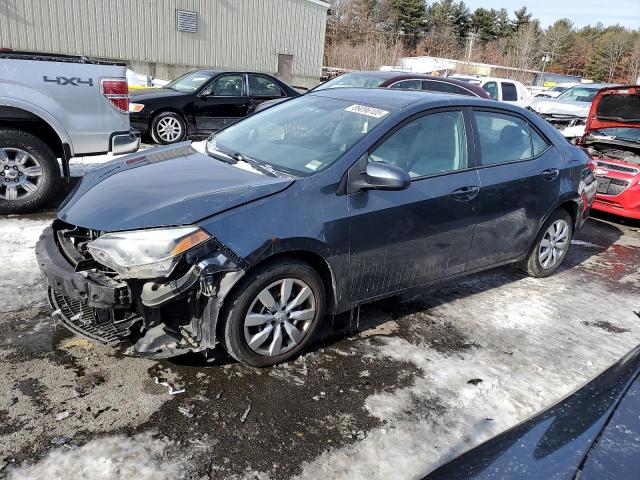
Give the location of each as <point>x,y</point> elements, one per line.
<point>312,207</point>
<point>201,102</point>
<point>593,434</point>
<point>396,80</point>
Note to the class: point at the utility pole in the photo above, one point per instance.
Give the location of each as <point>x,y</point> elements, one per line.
<point>546,57</point>
<point>470,40</point>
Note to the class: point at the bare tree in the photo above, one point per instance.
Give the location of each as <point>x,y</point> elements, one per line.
<point>633,66</point>
<point>526,46</point>
<point>613,47</point>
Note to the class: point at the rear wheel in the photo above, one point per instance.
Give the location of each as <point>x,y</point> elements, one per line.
<point>29,172</point>
<point>168,127</point>
<point>552,245</point>
<point>273,314</point>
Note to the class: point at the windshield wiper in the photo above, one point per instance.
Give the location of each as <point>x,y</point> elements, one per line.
<point>223,157</point>
<point>266,169</point>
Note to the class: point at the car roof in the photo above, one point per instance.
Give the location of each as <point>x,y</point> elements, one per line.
<point>397,98</point>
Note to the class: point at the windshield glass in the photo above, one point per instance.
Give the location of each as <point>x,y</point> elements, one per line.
<point>579,94</point>
<point>620,133</point>
<point>352,80</point>
<point>190,82</point>
<point>301,136</point>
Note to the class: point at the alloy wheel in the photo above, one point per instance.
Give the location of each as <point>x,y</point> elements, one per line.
<point>20,174</point>
<point>169,129</point>
<point>279,317</point>
<point>554,244</point>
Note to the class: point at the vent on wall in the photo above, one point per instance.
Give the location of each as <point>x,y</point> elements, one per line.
<point>187,21</point>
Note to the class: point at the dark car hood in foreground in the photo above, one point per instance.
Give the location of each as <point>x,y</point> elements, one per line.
<point>172,185</point>
<point>594,432</point>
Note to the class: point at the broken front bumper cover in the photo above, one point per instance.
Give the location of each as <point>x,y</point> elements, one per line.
<point>97,305</point>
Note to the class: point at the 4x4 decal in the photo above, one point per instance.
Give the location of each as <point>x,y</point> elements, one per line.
<point>75,81</point>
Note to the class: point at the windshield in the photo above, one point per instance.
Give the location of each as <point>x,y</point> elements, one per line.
<point>301,136</point>
<point>620,133</point>
<point>190,82</point>
<point>352,80</point>
<point>579,94</point>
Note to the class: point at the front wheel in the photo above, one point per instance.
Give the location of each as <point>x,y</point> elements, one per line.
<point>168,127</point>
<point>551,246</point>
<point>273,313</point>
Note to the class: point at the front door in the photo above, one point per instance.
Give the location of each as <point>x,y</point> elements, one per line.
<point>399,239</point>
<point>223,102</point>
<point>520,183</point>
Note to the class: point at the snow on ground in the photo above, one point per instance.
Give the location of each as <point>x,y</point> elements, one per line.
<point>534,346</point>
<point>111,458</point>
<point>20,281</point>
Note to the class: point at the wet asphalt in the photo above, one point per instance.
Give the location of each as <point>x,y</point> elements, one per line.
<point>58,391</point>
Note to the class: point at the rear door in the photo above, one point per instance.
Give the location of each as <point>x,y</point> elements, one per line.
<point>399,239</point>
<point>261,88</point>
<point>520,183</point>
<point>223,102</point>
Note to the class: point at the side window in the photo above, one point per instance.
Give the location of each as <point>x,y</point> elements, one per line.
<point>538,143</point>
<point>227,86</point>
<point>437,86</point>
<point>504,138</point>
<point>432,144</point>
<point>263,86</point>
<point>492,89</point>
<point>509,92</point>
<point>408,85</point>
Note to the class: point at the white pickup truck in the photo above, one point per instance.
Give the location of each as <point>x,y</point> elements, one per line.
<point>56,107</point>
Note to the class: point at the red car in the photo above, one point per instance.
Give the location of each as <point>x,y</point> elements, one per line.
<point>612,137</point>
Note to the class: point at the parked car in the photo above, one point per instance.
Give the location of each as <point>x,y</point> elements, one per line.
<point>397,80</point>
<point>56,106</point>
<point>592,434</point>
<point>501,89</point>
<point>201,102</point>
<point>312,207</point>
<point>568,111</point>
<point>555,91</point>
<point>612,137</point>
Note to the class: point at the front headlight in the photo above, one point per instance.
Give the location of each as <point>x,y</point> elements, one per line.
<point>145,253</point>
<point>136,107</point>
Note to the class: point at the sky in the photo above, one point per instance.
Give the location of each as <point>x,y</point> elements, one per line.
<point>580,12</point>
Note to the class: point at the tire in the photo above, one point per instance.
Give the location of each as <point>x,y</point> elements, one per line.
<point>167,128</point>
<point>29,172</point>
<point>245,301</point>
<point>540,261</point>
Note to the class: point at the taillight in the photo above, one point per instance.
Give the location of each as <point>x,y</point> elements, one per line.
<point>116,91</point>
<point>592,164</point>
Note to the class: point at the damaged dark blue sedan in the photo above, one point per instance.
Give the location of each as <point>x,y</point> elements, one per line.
<point>309,208</point>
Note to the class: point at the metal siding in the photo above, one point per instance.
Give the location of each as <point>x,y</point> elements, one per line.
<point>241,34</point>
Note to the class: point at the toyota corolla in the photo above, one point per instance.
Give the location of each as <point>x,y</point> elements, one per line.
<point>305,210</point>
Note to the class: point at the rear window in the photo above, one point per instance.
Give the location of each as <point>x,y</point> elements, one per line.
<point>619,108</point>
<point>509,92</point>
<point>352,80</point>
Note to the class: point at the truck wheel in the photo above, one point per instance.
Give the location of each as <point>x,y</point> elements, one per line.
<point>29,172</point>
<point>273,313</point>
<point>168,127</point>
<point>551,246</point>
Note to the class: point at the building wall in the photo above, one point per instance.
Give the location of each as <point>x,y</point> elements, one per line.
<point>232,34</point>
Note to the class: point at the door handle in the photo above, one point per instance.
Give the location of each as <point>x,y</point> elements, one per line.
<point>550,173</point>
<point>465,194</point>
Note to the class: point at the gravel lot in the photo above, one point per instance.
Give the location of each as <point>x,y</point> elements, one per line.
<point>385,395</point>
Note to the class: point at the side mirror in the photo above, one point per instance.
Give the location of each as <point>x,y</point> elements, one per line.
<point>381,176</point>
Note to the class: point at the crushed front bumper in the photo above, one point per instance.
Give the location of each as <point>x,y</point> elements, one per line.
<point>160,318</point>
<point>87,302</point>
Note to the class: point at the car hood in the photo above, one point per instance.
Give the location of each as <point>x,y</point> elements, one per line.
<point>165,186</point>
<point>153,93</point>
<point>556,106</point>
